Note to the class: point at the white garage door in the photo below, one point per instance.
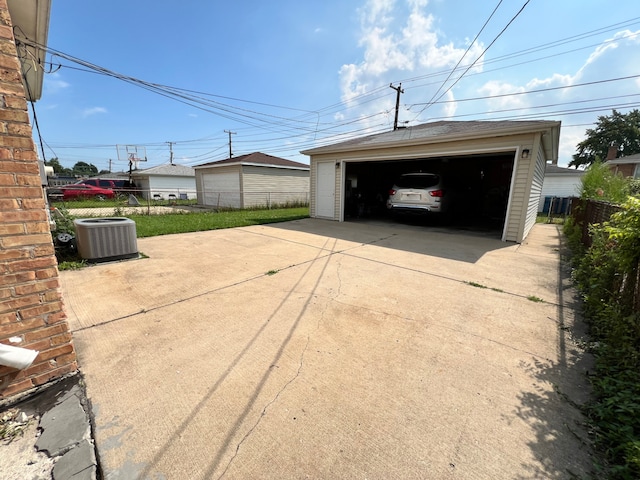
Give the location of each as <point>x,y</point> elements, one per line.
<point>326,190</point>
<point>221,190</point>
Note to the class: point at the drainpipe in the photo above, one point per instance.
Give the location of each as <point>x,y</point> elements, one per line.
<point>16,357</point>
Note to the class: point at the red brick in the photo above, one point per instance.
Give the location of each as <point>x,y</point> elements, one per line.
<point>27,154</point>
<point>61,339</point>
<point>18,116</point>
<point>7,179</point>
<point>9,61</point>
<point>46,273</point>
<point>46,332</point>
<point>31,264</point>
<point>11,229</point>
<point>15,388</point>
<point>17,278</point>
<point>14,254</point>
<point>6,318</point>
<point>19,129</point>
<point>6,32</point>
<point>36,287</point>
<point>44,250</point>
<point>57,317</point>
<point>19,302</point>
<point>36,369</point>
<point>39,345</point>
<point>15,102</point>
<point>54,352</point>
<point>21,216</point>
<point>34,312</point>
<point>28,180</point>
<point>16,166</point>
<point>8,204</point>
<point>33,203</point>
<point>17,328</point>
<point>20,192</point>
<point>38,227</point>
<point>5,292</point>
<point>15,142</point>
<point>24,240</point>
<point>58,372</point>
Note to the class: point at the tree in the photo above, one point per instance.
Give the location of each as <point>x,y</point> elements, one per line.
<point>84,169</point>
<point>618,129</point>
<point>58,169</point>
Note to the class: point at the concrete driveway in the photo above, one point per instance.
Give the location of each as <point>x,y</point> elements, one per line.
<point>314,349</point>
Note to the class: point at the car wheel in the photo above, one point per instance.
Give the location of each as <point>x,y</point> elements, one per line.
<point>102,198</point>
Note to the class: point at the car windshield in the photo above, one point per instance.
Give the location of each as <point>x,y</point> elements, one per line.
<point>426,180</point>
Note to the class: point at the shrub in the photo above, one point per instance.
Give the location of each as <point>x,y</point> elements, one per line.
<point>608,276</point>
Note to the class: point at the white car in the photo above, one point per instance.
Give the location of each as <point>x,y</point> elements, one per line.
<point>418,193</point>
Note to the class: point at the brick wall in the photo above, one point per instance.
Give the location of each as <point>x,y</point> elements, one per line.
<point>31,308</point>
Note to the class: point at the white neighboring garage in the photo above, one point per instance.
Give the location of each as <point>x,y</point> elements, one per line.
<point>517,150</point>
<point>251,180</point>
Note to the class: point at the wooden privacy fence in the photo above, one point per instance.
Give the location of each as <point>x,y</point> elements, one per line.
<point>590,212</point>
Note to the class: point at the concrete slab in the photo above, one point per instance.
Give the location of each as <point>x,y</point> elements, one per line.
<point>63,427</point>
<point>315,349</point>
<point>77,464</point>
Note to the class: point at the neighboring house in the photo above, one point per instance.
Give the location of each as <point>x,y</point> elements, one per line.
<point>256,179</point>
<point>559,182</point>
<point>32,313</point>
<point>166,181</point>
<point>628,166</point>
<point>503,162</point>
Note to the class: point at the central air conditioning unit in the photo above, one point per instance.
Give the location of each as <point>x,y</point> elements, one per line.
<point>106,239</point>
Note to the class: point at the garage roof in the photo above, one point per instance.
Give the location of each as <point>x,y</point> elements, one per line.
<point>256,159</point>
<point>446,131</point>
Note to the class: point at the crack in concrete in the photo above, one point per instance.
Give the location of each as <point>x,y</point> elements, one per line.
<point>266,407</point>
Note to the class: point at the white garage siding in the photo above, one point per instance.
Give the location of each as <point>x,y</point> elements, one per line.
<point>268,186</point>
<point>222,188</point>
<point>534,195</point>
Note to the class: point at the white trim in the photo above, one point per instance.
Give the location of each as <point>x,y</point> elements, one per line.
<point>448,153</point>
<point>512,183</point>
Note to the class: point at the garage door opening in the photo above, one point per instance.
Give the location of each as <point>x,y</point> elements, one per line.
<point>477,186</point>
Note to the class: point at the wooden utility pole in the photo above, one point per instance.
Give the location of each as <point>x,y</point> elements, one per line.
<point>230,133</point>
<point>171,152</point>
<point>398,90</point>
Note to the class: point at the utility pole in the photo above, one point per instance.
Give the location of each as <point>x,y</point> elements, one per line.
<point>398,90</point>
<point>170,152</point>
<point>110,165</point>
<point>230,133</point>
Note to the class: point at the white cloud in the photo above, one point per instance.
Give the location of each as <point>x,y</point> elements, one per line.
<point>400,38</point>
<point>87,112</point>
<point>54,83</point>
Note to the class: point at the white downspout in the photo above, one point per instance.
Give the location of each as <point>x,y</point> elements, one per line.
<point>16,357</point>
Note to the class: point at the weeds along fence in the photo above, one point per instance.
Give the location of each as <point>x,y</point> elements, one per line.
<point>168,201</point>
<point>591,212</point>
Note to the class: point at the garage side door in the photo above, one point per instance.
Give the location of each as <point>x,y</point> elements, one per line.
<point>221,190</point>
<point>325,189</point>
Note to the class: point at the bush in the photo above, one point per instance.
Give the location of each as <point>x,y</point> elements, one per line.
<point>608,277</point>
<point>600,183</point>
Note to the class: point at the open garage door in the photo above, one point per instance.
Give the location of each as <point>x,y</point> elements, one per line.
<point>478,187</point>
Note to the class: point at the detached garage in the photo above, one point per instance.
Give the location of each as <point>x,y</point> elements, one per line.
<point>252,180</point>
<point>498,166</point>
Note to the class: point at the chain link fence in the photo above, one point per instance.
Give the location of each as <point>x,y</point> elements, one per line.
<point>99,203</point>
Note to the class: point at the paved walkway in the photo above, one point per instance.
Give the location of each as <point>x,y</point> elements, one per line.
<point>315,349</point>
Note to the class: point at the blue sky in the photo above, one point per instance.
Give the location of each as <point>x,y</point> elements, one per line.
<point>290,75</point>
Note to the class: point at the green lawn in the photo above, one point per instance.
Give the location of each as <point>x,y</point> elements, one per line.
<point>153,225</point>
